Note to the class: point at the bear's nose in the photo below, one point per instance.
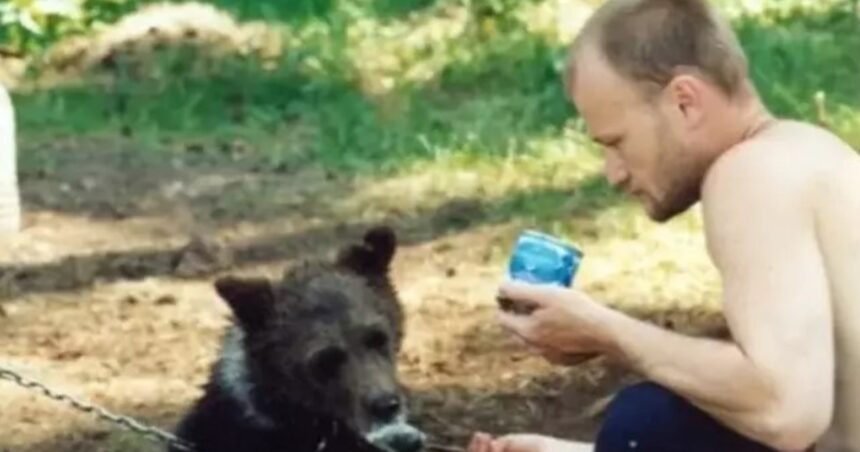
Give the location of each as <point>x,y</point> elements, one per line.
<point>409,443</point>
<point>385,408</point>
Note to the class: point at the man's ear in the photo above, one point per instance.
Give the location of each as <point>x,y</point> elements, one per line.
<point>251,300</point>
<point>687,95</point>
<point>373,257</point>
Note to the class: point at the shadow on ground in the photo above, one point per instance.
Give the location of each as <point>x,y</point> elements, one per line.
<point>455,215</point>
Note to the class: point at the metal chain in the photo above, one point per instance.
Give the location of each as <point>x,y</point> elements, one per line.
<point>122,421</point>
<point>127,422</point>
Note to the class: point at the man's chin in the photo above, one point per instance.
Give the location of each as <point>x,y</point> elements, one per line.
<point>658,216</point>
<point>661,214</point>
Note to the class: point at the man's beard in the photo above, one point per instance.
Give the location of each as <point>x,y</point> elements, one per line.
<point>674,203</point>
<point>681,187</point>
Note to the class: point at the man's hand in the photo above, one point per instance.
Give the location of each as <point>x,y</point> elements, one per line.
<point>566,359</point>
<point>556,357</point>
<point>564,325</point>
<point>481,442</point>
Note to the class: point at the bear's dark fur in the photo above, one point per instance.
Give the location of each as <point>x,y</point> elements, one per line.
<point>310,362</point>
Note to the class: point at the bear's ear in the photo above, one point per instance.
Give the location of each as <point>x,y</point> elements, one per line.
<point>251,300</point>
<point>373,257</point>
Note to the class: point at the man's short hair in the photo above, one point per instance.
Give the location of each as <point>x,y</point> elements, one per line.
<point>651,41</point>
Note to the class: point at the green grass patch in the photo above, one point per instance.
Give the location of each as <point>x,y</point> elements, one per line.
<point>494,93</point>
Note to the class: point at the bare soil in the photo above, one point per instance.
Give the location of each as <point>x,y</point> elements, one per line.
<point>107,295</point>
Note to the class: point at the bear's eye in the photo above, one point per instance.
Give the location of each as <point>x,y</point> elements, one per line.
<point>376,340</point>
<point>326,363</point>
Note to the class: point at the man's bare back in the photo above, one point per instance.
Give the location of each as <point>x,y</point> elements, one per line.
<point>834,170</point>
<point>812,160</point>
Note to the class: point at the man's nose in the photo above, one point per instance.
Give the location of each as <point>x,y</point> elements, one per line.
<point>615,171</point>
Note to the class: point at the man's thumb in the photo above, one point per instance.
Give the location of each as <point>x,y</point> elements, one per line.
<point>527,294</point>
<point>517,442</point>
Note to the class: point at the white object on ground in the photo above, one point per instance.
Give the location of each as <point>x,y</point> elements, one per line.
<point>10,204</point>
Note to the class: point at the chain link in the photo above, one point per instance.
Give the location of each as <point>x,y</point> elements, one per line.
<point>127,422</point>
<point>122,421</point>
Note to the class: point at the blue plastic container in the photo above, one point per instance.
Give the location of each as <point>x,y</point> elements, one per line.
<point>543,259</point>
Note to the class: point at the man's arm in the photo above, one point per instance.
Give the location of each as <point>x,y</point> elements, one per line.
<point>774,383</point>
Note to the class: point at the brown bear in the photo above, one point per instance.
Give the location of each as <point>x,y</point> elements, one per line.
<point>310,362</point>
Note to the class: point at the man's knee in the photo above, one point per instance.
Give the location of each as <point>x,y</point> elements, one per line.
<point>649,418</point>
<point>631,418</point>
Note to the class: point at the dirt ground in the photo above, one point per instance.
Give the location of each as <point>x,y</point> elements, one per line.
<point>107,295</point>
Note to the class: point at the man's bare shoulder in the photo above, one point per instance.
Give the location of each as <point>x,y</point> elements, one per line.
<point>770,180</point>
<point>788,158</point>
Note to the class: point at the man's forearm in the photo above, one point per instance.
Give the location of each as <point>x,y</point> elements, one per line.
<point>714,375</point>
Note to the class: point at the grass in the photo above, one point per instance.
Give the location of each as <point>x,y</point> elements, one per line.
<point>798,53</point>
<point>463,95</point>
<point>423,89</point>
<point>484,91</point>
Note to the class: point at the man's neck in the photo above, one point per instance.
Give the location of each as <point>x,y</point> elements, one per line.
<point>757,120</point>
<point>745,119</point>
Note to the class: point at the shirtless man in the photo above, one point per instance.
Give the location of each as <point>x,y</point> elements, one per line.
<point>663,86</point>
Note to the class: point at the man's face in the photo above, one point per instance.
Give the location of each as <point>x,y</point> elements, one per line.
<point>647,146</point>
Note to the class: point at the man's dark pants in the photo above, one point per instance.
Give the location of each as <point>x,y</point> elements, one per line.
<point>649,418</point>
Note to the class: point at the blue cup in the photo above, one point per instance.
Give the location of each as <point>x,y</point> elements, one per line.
<point>543,259</point>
